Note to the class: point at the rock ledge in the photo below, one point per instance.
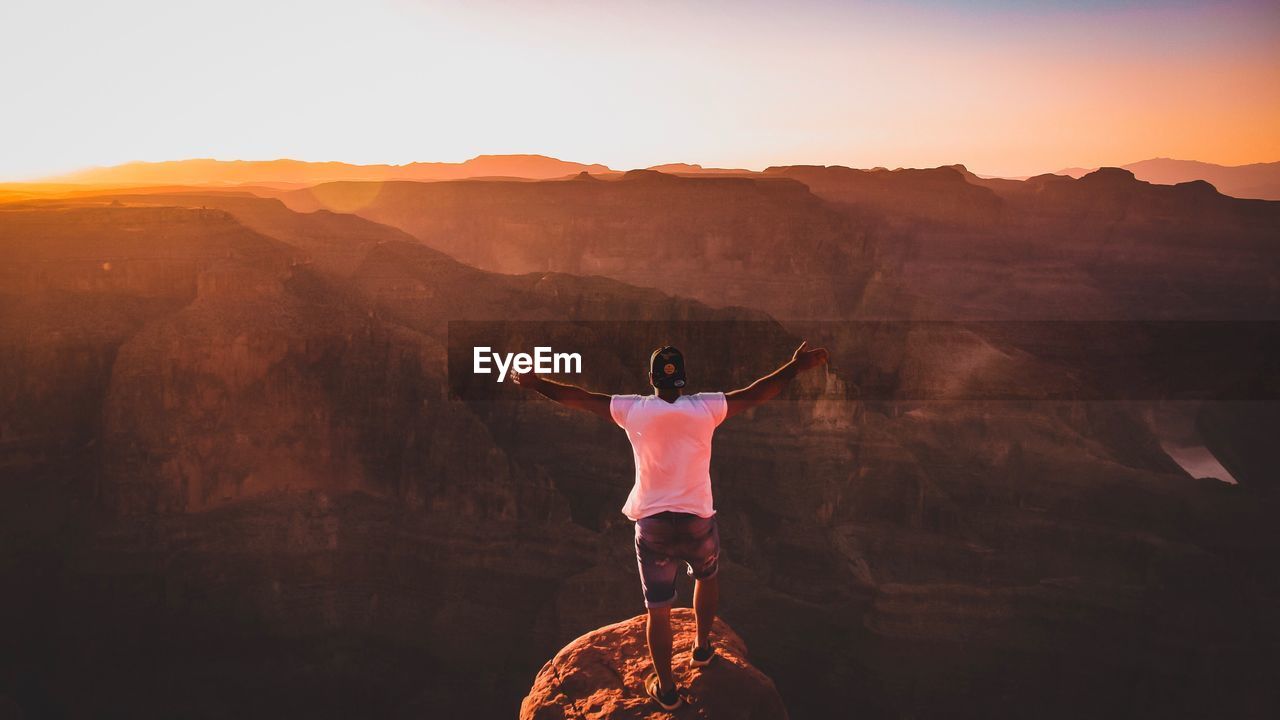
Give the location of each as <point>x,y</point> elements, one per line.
<point>602,674</point>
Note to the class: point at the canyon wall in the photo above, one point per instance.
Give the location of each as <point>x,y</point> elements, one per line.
<point>235,477</point>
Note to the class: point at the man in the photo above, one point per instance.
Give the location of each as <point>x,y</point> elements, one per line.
<point>671,502</point>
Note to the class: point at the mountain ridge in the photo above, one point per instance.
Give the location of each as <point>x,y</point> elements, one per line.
<point>210,171</point>
<point>1250,181</point>
<point>1255,181</point>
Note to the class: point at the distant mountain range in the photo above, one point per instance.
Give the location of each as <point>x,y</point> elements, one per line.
<point>299,172</point>
<point>695,169</point>
<point>1258,180</point>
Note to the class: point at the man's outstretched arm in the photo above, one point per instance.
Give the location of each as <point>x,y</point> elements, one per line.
<point>565,394</point>
<point>764,389</point>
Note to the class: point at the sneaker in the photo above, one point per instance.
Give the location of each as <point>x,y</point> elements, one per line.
<point>668,701</point>
<point>702,656</point>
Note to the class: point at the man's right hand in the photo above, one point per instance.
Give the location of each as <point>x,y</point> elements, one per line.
<point>527,380</point>
<point>565,394</point>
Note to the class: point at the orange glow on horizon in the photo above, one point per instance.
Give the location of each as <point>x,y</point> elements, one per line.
<point>1005,89</point>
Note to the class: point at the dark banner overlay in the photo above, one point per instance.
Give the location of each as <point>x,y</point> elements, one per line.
<point>888,361</point>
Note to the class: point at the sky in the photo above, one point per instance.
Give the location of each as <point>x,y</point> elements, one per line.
<point>1007,88</point>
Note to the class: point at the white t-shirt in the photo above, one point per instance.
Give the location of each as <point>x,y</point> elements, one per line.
<point>672,447</point>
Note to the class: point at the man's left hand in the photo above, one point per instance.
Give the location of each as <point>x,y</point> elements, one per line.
<point>806,359</point>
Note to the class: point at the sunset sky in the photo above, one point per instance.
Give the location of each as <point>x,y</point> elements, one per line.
<point>1004,87</point>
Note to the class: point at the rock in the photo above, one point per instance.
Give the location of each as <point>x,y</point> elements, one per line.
<point>602,675</point>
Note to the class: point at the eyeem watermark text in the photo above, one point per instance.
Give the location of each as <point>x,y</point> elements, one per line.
<point>543,360</point>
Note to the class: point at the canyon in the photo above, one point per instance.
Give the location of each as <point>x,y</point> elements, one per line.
<point>238,475</point>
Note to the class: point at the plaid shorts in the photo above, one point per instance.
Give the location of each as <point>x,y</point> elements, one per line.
<point>667,539</point>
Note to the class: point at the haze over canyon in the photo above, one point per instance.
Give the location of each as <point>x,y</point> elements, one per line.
<point>235,474</point>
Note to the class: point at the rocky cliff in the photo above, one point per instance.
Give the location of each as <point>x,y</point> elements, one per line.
<point>602,675</point>
<point>766,243</point>
<point>806,243</point>
<point>1104,247</point>
<point>234,478</point>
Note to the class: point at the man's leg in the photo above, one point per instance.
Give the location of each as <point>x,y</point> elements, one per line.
<point>659,633</point>
<point>704,566</point>
<point>706,599</point>
<point>658,580</point>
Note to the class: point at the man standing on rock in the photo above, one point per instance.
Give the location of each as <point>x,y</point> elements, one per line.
<point>671,503</point>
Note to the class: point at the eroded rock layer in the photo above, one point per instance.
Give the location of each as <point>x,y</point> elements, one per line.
<point>234,478</point>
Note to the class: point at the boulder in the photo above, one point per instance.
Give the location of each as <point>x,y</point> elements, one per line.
<point>602,675</point>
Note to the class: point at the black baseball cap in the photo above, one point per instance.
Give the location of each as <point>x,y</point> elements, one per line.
<point>667,366</point>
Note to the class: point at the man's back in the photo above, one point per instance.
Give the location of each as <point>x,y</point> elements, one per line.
<point>671,443</point>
